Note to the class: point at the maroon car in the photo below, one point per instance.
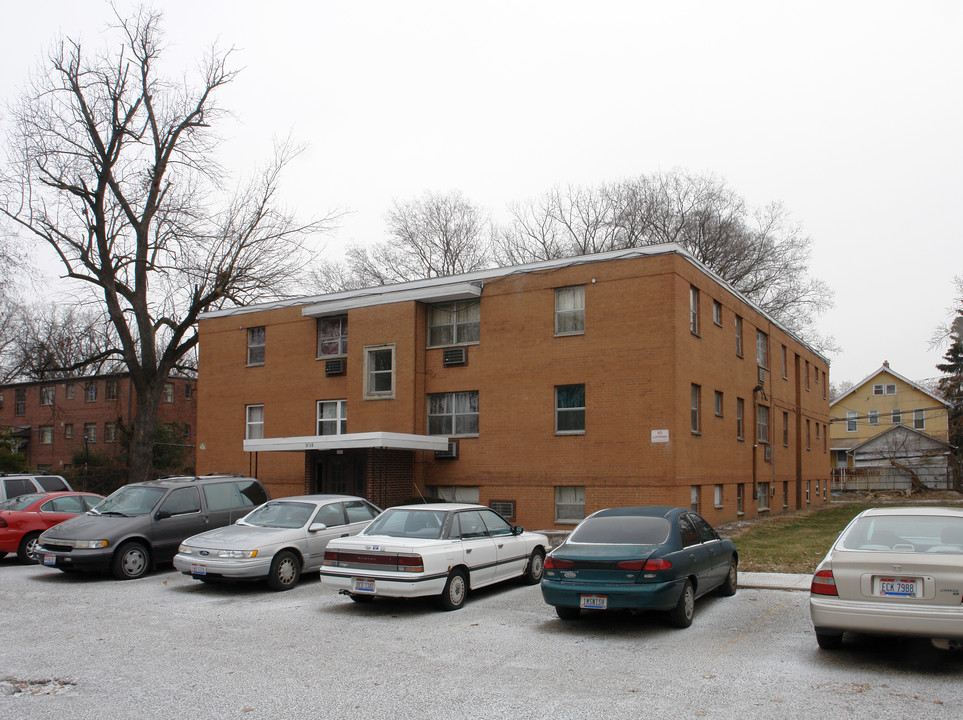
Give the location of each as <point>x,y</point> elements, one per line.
<point>24,517</point>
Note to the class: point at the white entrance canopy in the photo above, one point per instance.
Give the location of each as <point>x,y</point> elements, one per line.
<point>349,441</point>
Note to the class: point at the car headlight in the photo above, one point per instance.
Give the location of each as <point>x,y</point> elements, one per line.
<point>236,554</point>
<point>184,550</point>
<point>89,544</point>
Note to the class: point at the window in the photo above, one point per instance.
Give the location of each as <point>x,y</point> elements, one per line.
<point>695,398</point>
<point>785,429</point>
<point>90,433</point>
<point>47,395</point>
<point>884,389</point>
<point>717,312</point>
<point>333,336</point>
<point>90,392</point>
<point>817,431</point>
<point>70,391</point>
<point>453,413</point>
<point>762,349</point>
<point>717,496</point>
<point>807,376</point>
<point>186,432</point>
<point>255,422</point>
<point>740,497</point>
<point>687,532</point>
<point>110,391</point>
<point>379,369</point>
<point>569,504</point>
<point>46,434</point>
<point>570,409</point>
<point>852,423</point>
<point>188,391</point>
<point>896,417</point>
<point>332,417</point>
<point>762,424</point>
<point>20,401</point>
<point>785,494</point>
<point>738,336</point>
<point>784,364</point>
<point>891,388</point>
<point>807,433</point>
<point>763,496</point>
<point>570,310</point>
<point>693,310</point>
<point>919,419</point>
<point>718,404</point>
<point>110,432</point>
<point>255,345</point>
<point>168,392</point>
<point>182,501</point>
<point>455,493</point>
<point>825,433</point>
<point>808,488</point>
<point>842,459</point>
<point>873,417</point>
<point>69,431</point>
<point>740,410</point>
<point>825,383</point>
<point>454,323</point>
<point>694,492</point>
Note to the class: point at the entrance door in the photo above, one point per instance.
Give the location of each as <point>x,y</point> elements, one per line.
<point>341,474</point>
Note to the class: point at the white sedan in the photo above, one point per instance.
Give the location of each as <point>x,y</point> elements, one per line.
<point>277,541</point>
<point>441,549</point>
<point>893,571</point>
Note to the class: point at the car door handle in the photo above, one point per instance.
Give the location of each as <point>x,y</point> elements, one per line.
<point>345,535</point>
<point>501,545</point>
<point>467,550</point>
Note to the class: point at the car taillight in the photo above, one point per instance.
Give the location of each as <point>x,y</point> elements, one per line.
<point>557,563</point>
<point>823,583</point>
<point>330,557</point>
<point>656,564</point>
<point>632,564</point>
<point>410,563</point>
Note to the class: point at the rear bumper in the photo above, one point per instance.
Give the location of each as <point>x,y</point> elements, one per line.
<point>385,585</point>
<point>622,596</point>
<point>886,618</point>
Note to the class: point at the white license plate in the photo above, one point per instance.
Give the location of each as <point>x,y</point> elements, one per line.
<point>364,585</point>
<point>198,569</point>
<point>49,559</point>
<point>899,587</point>
<point>594,602</point>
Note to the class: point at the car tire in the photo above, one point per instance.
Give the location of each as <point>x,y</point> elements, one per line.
<point>27,552</point>
<point>361,598</point>
<point>131,561</point>
<point>829,642</point>
<point>567,612</point>
<point>455,592</point>
<point>3,555</point>
<point>285,571</point>
<point>681,615</point>
<point>535,568</point>
<point>731,583</point>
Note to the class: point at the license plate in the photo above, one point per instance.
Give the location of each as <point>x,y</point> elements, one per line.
<point>594,602</point>
<point>198,569</point>
<point>49,559</point>
<point>363,585</point>
<point>898,587</point>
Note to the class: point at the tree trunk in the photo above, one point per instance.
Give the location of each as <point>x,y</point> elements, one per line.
<point>141,456</point>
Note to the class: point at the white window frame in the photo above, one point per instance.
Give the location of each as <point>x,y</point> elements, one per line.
<point>762,424</point>
<point>110,432</point>
<point>68,431</point>
<point>852,421</point>
<point>738,324</point>
<point>340,419</point>
<point>342,336</point>
<point>254,422</point>
<point>455,493</point>
<point>90,392</point>
<point>450,416</point>
<point>717,312</point>
<point>695,495</point>
<point>570,310</point>
<point>762,349</point>
<point>718,496</point>
<point>919,419</point>
<point>461,331</point>
<point>369,372</point>
<point>872,417</point>
<point>740,418</point>
<point>693,309</point>
<point>46,434</point>
<point>572,410</point>
<point>784,363</point>
<point>895,416</point>
<point>569,504</point>
<point>695,412</point>
<point>112,389</point>
<point>90,433</point>
<point>47,394</point>
<point>740,498</point>
<point>256,345</point>
<point>168,392</point>
<point>762,496</point>
<point>719,403</point>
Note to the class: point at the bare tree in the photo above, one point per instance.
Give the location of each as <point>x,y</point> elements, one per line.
<point>432,236</point>
<point>113,167</point>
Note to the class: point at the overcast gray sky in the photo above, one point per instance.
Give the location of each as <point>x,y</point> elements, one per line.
<point>849,113</point>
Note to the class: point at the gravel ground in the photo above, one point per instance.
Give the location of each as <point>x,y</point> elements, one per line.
<point>166,646</point>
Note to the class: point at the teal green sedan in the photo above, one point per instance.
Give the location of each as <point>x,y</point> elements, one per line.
<point>640,558</point>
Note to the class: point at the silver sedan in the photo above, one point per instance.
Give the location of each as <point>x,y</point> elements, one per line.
<point>893,571</point>
<point>277,541</point>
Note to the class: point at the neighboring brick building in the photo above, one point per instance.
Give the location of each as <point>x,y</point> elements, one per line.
<point>51,418</point>
<point>626,378</point>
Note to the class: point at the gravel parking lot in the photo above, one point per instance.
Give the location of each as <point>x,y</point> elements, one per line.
<point>166,646</point>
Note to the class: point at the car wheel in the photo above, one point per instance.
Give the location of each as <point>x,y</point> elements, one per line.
<point>829,642</point>
<point>567,612</point>
<point>131,561</point>
<point>361,598</point>
<point>27,552</point>
<point>455,592</point>
<point>536,564</point>
<point>728,587</point>
<point>285,571</point>
<point>3,555</point>
<point>681,614</point>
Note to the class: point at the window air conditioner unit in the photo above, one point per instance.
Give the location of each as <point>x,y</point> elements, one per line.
<point>762,375</point>
<point>450,454</point>
<point>455,356</point>
<point>334,366</point>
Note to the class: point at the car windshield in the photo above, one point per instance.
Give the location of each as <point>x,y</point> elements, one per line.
<point>20,502</point>
<point>408,523</point>
<point>281,515</point>
<point>130,500</point>
<point>622,530</point>
<point>906,533</point>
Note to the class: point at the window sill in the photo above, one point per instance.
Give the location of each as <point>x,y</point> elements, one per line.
<point>763,511</point>
<point>450,345</point>
<point>383,396</point>
<point>570,334</point>
<point>332,357</point>
<point>567,522</point>
<point>260,364</point>
<point>740,513</point>
<point>719,415</point>
<point>561,433</point>
<point>697,433</point>
<point>718,507</point>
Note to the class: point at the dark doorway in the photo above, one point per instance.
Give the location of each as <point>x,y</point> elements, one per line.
<point>340,474</point>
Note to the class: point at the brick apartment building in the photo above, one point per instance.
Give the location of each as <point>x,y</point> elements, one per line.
<point>547,391</point>
<point>50,419</point>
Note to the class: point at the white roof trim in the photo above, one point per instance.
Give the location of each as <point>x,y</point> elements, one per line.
<point>448,292</point>
<point>885,369</point>
<point>349,441</point>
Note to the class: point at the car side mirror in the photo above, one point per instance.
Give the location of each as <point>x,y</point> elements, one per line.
<point>317,527</point>
<point>518,530</point>
<point>162,514</point>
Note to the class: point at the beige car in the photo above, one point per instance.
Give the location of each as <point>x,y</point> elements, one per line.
<point>893,571</point>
